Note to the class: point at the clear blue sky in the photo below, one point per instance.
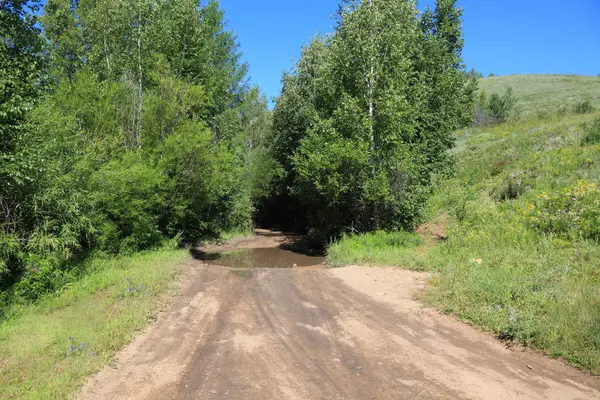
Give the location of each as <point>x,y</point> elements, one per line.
<point>501,36</point>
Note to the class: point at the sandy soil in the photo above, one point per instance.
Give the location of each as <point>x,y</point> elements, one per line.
<point>313,333</point>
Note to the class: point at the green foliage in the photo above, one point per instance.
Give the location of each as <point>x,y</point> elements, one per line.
<point>378,248</point>
<point>40,278</point>
<point>573,212</point>
<point>592,133</point>
<point>583,107</point>
<point>21,79</point>
<point>503,108</point>
<point>149,134</point>
<point>513,185</point>
<point>130,197</point>
<point>365,119</point>
<point>96,312</point>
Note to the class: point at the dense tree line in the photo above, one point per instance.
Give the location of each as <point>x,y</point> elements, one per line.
<point>125,123</point>
<point>122,124</point>
<point>365,120</point>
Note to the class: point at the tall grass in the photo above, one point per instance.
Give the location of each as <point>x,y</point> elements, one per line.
<point>49,348</point>
<point>377,248</point>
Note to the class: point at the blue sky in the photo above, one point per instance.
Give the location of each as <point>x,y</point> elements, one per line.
<point>501,36</point>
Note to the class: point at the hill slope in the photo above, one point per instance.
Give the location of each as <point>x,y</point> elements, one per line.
<point>546,92</point>
<point>519,224</point>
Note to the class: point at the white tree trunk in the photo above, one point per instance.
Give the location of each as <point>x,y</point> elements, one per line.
<point>138,127</point>
<point>370,91</point>
<point>107,54</point>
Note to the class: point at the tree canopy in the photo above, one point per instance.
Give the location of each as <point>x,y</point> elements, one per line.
<point>128,123</point>
<point>123,124</point>
<point>365,119</point>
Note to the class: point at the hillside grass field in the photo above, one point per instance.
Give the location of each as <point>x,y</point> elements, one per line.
<point>513,235</point>
<point>546,94</point>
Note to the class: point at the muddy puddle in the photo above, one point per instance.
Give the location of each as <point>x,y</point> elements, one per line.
<point>260,258</point>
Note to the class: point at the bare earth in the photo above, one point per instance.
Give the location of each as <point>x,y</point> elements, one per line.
<point>313,333</point>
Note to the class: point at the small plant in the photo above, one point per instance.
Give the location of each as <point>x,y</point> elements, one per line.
<point>511,187</point>
<point>40,277</point>
<point>583,107</point>
<point>496,109</point>
<point>134,289</point>
<point>75,348</point>
<point>543,115</point>
<point>592,133</point>
<point>562,111</point>
<point>505,107</point>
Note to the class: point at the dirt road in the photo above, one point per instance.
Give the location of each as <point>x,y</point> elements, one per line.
<point>313,333</point>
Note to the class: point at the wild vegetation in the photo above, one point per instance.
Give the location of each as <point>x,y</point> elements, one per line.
<point>517,232</point>
<point>130,126</point>
<point>124,124</point>
<point>54,344</point>
<point>365,120</point>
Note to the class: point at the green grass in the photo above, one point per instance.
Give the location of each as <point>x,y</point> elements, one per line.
<point>546,93</point>
<point>49,348</point>
<point>377,248</point>
<point>500,271</point>
<point>235,234</point>
<point>514,263</point>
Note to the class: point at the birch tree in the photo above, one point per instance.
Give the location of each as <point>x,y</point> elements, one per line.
<point>390,95</point>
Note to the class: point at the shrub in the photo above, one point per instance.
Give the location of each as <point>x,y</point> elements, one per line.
<point>41,277</point>
<point>383,248</point>
<point>592,133</point>
<point>505,107</point>
<point>583,107</point>
<point>130,195</point>
<point>543,115</point>
<point>511,187</point>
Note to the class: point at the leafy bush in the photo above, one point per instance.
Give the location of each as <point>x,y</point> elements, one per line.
<point>511,187</point>
<point>40,278</point>
<point>572,213</point>
<point>130,196</point>
<point>583,107</point>
<point>503,108</point>
<point>562,111</point>
<point>592,133</point>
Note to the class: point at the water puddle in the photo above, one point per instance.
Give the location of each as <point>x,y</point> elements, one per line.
<point>260,258</point>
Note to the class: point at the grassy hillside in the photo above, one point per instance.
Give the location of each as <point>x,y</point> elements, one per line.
<point>517,230</point>
<point>546,92</point>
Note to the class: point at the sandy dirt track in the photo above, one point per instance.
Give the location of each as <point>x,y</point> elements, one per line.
<point>313,333</point>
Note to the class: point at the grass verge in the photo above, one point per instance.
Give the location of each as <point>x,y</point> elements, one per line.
<point>377,248</point>
<point>49,348</point>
